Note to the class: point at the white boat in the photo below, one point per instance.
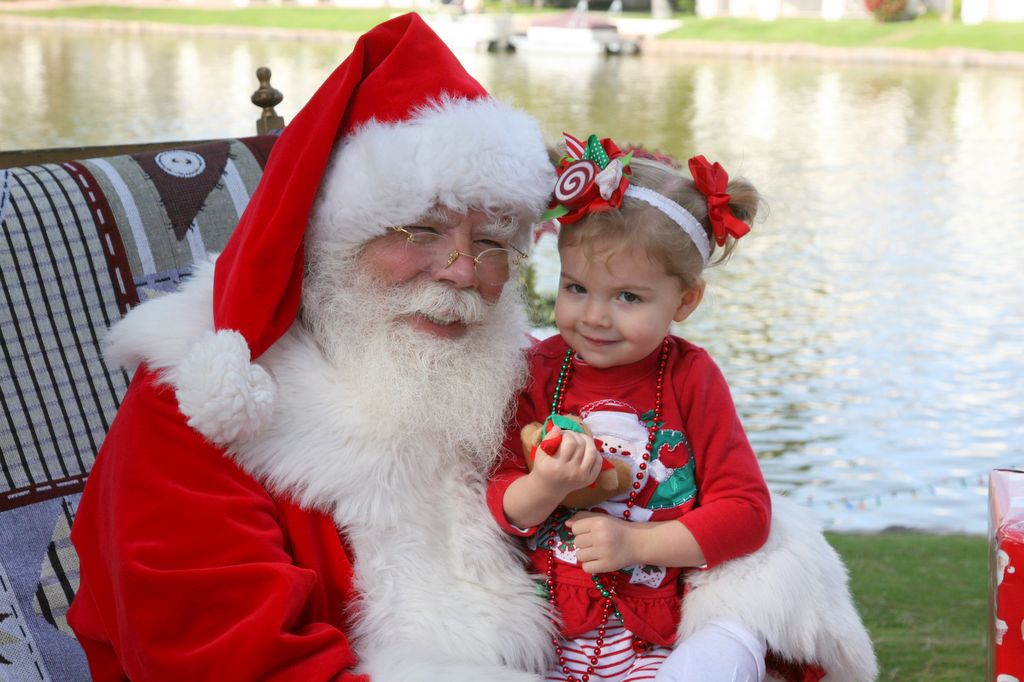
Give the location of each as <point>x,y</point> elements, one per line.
<point>575,32</point>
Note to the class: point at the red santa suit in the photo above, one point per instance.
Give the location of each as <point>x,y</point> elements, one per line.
<point>703,472</point>
<point>176,541</point>
<point>248,516</point>
<point>324,547</point>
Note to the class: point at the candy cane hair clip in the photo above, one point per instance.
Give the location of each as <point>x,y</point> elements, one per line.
<point>594,177</point>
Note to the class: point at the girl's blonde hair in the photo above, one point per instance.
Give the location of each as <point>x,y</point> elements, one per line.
<point>638,225</point>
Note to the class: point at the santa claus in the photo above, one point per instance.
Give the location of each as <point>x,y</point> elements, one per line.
<point>293,488</point>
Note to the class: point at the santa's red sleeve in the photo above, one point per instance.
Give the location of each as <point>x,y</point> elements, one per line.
<point>188,570</point>
<point>733,513</point>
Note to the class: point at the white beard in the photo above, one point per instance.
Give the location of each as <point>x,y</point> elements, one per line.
<point>393,431</point>
<point>455,393</point>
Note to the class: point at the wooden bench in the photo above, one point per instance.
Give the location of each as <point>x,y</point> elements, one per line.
<point>88,233</point>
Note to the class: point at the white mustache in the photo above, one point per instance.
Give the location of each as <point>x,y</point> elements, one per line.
<point>443,303</point>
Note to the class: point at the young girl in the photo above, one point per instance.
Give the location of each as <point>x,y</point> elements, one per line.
<point>635,237</point>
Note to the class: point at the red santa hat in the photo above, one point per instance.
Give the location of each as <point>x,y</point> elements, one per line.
<point>398,128</point>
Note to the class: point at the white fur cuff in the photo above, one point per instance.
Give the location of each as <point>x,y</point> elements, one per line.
<point>795,592</point>
<point>225,397</point>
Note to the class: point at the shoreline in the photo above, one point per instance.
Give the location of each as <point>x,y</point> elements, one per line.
<point>949,57</point>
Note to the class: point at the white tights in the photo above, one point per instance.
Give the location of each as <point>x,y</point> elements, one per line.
<point>721,651</point>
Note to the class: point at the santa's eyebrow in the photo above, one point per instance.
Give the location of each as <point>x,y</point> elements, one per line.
<point>501,226</point>
<point>436,216</point>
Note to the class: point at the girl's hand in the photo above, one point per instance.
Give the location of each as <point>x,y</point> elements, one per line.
<point>574,465</point>
<point>603,543</point>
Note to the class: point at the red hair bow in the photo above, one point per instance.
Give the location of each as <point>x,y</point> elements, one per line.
<point>711,180</point>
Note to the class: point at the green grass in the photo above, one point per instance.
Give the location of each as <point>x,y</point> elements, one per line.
<point>924,599</point>
<point>299,18</point>
<point>925,33</point>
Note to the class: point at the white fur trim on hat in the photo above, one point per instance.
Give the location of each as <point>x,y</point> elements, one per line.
<point>463,154</point>
<point>795,592</point>
<point>225,397</point>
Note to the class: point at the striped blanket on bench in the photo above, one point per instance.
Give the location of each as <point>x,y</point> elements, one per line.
<point>83,242</point>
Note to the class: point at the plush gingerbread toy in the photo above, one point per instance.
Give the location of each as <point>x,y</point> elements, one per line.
<point>615,477</point>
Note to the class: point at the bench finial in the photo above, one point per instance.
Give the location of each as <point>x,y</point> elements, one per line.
<point>267,97</point>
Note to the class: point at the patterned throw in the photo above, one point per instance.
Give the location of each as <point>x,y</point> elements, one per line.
<point>83,242</point>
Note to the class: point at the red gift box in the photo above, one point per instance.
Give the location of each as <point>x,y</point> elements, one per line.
<point>1006,576</point>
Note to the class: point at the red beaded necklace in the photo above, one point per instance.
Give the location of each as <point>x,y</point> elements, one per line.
<point>606,591</point>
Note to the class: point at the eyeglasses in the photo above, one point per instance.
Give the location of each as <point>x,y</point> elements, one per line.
<point>433,251</point>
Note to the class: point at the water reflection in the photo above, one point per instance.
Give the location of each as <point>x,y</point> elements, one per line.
<point>871,328</point>
<point>81,89</point>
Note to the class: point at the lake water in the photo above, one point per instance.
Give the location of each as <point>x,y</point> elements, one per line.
<point>871,326</point>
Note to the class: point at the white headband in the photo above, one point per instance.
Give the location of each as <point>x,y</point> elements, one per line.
<point>678,214</point>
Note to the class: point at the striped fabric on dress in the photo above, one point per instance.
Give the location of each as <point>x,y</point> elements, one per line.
<point>617,662</point>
